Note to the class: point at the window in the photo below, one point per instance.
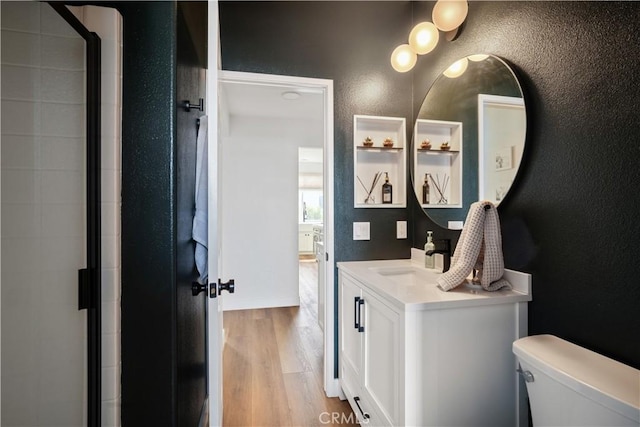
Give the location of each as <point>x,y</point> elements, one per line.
<point>310,205</point>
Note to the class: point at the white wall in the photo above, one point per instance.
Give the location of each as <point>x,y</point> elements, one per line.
<point>43,356</point>
<point>259,211</point>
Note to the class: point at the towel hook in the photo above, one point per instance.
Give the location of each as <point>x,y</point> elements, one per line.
<point>188,105</point>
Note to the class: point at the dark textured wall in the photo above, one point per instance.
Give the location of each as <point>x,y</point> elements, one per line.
<point>148,213</point>
<point>572,219</point>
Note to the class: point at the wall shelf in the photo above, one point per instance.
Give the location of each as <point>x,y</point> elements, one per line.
<point>361,147</point>
<point>377,158</point>
<point>432,151</point>
<point>442,165</point>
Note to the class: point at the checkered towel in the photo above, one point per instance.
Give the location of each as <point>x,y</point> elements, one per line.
<point>479,247</point>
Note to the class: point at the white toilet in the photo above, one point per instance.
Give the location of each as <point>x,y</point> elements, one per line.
<point>571,386</point>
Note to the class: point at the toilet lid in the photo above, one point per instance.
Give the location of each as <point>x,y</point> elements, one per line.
<point>604,380</point>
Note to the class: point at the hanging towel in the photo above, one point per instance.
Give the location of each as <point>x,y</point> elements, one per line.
<point>200,219</point>
<point>479,247</point>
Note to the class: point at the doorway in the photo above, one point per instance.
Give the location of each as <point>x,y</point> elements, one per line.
<point>311,262</point>
<point>269,279</point>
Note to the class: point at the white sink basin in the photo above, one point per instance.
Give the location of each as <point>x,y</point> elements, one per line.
<point>408,275</point>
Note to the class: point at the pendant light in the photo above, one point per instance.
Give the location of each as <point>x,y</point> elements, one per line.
<point>448,16</point>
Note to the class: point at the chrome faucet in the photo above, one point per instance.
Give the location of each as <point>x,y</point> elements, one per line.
<point>443,247</point>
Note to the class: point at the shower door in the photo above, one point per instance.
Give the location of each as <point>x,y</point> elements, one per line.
<point>50,218</point>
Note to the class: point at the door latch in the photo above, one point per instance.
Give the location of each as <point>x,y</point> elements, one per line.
<point>214,288</point>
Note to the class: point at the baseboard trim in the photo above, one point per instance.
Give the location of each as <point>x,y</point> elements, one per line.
<point>232,305</point>
<point>334,390</point>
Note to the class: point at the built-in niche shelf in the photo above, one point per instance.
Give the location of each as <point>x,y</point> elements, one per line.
<point>368,160</point>
<point>443,166</point>
<point>362,147</point>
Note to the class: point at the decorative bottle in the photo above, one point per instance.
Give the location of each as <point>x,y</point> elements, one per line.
<point>429,262</point>
<point>425,190</point>
<point>387,190</point>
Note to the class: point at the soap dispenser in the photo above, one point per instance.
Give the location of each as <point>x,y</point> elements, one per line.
<point>429,262</point>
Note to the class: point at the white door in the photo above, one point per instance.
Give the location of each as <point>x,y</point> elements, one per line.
<point>214,313</point>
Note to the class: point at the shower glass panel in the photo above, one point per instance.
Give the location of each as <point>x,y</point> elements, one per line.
<point>43,218</point>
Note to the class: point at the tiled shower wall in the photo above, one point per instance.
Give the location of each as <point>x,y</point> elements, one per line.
<point>107,23</point>
<point>36,110</point>
<point>43,226</point>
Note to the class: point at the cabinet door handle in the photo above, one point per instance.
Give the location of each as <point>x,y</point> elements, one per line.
<point>360,323</point>
<point>355,313</point>
<point>364,414</point>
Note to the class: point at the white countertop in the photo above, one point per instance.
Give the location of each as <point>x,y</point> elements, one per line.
<point>408,285</point>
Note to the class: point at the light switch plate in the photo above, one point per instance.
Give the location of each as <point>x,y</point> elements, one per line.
<point>361,231</point>
<point>401,229</point>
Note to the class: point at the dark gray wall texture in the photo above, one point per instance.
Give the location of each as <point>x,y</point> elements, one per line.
<point>149,345</point>
<point>571,217</point>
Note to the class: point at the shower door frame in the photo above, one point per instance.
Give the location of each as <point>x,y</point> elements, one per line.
<point>89,286</point>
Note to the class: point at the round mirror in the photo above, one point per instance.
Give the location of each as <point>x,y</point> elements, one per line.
<point>468,139</point>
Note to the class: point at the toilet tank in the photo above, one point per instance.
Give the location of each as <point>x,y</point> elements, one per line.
<point>573,386</point>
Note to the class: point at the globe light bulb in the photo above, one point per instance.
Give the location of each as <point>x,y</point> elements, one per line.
<point>403,58</point>
<point>423,38</point>
<point>448,15</point>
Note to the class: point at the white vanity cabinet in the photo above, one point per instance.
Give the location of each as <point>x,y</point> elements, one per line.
<point>410,356</point>
<point>369,344</point>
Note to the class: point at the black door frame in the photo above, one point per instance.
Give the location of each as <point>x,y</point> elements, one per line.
<point>90,278</point>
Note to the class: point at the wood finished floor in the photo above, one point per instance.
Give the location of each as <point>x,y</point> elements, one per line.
<point>273,365</point>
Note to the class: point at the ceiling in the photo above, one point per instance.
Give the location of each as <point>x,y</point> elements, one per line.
<point>258,100</point>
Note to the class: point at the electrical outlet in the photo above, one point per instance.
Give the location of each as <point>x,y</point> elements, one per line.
<point>361,231</point>
<point>401,229</point>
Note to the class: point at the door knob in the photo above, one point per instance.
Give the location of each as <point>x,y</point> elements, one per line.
<point>196,288</point>
<point>229,286</point>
